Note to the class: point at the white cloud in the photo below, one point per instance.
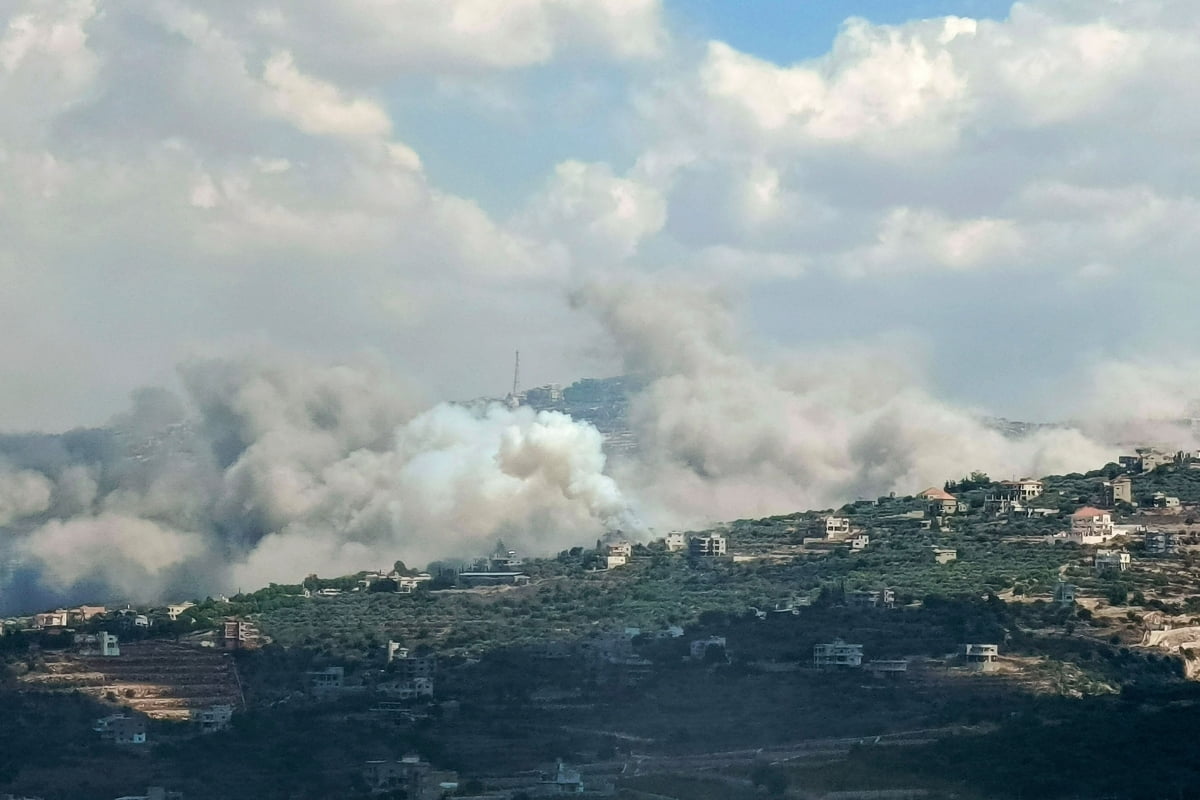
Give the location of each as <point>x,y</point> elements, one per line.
<point>318,107</point>
<point>597,214</point>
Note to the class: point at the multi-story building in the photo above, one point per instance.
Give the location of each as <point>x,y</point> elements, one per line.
<point>1090,526</point>
<point>237,634</point>
<point>709,546</point>
<point>1161,543</point>
<point>876,598</point>
<point>941,502</point>
<point>832,527</point>
<point>981,657</point>
<point>121,729</point>
<point>416,778</point>
<point>1118,490</point>
<point>675,541</point>
<point>212,719</point>
<point>837,654</point>
<point>1112,561</point>
<point>326,681</point>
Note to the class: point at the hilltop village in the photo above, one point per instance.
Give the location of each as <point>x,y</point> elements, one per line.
<point>929,645</point>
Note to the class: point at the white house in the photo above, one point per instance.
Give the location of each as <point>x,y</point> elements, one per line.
<point>860,542</point>
<point>675,541</point>
<point>1090,526</point>
<point>833,527</point>
<point>837,654</point>
<point>707,546</point>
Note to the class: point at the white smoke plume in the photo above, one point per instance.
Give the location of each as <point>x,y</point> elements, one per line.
<point>726,436</point>
<point>23,492</point>
<point>286,469</point>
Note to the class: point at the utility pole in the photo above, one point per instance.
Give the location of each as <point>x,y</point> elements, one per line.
<point>516,374</point>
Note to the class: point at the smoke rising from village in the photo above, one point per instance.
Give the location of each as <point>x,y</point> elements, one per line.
<point>727,436</point>
<point>268,468</point>
<point>280,469</point>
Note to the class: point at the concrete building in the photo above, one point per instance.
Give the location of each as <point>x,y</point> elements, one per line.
<point>85,613</point>
<point>890,667</point>
<point>212,719</point>
<point>944,555</point>
<point>698,649</point>
<point>327,681</point>
<point>416,778</point>
<point>837,654</point>
<point>832,527</point>
<point>710,546</point>
<point>860,541</point>
<point>1064,593</point>
<point>414,689</point>
<point>1118,490</point>
<point>1112,561</point>
<point>876,598</point>
<point>1145,459</point>
<point>121,729</point>
<point>1163,500</point>
<point>612,562</point>
<point>1161,543</point>
<point>237,634</point>
<point>675,542</point>
<point>52,619</point>
<point>175,609</point>
<point>1023,490</point>
<point>980,657</point>
<point>1090,526</point>
<point>941,502</point>
<point>493,578</point>
<point>108,644</point>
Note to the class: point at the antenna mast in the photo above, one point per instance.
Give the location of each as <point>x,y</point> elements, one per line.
<point>516,374</point>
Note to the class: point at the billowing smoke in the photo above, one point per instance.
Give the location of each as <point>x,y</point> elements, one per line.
<point>281,469</point>
<point>726,436</point>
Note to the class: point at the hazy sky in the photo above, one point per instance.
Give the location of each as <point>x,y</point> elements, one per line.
<point>1005,196</point>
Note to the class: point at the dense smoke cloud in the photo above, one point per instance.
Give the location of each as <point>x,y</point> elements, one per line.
<point>283,468</point>
<point>726,436</point>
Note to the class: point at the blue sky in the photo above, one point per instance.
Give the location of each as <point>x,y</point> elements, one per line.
<point>786,31</point>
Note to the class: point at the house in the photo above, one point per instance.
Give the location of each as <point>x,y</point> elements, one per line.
<point>504,560</point>
<point>612,561</point>
<point>1145,459</point>
<point>944,555</point>
<point>832,527</point>
<point>860,542</point>
<point>1112,561</point>
<point>1090,526</point>
<point>837,654</point>
<point>710,546</point>
<point>237,634</point>
<point>622,549</point>
<point>891,667</point>
<point>698,650</point>
<point>409,666</point>
<point>1064,593</point>
<point>940,501</point>
<point>473,579</point>
<point>408,689</point>
<point>1162,500</point>
<point>121,729</point>
<point>326,681</point>
<point>1161,543</point>
<point>564,781</point>
<point>417,779</point>
<point>212,719</point>
<point>52,619</point>
<point>1118,490</point>
<point>675,542</point>
<point>980,657</point>
<point>107,642</point>
<point>175,609</point>
<point>153,793</point>
<point>878,598</point>
<point>1023,490</point>
<point>85,613</point>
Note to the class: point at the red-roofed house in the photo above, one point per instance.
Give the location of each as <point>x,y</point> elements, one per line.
<point>1090,526</point>
<point>940,501</point>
